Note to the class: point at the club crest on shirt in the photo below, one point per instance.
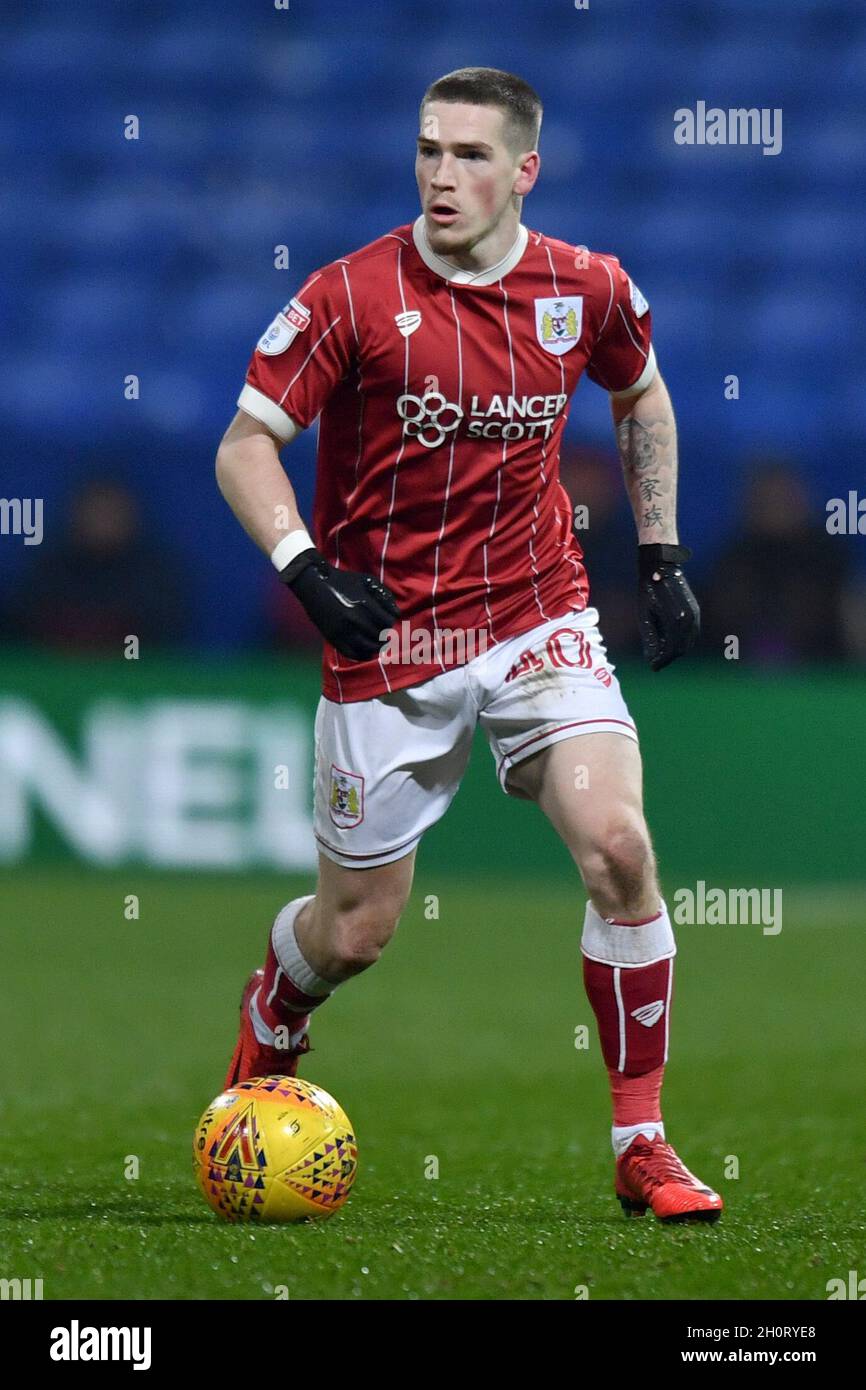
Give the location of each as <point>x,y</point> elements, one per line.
<point>558,323</point>
<point>346,800</point>
<point>292,319</point>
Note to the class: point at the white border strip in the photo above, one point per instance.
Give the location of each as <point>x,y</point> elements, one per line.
<point>267,412</point>
<point>644,380</point>
<point>612,944</point>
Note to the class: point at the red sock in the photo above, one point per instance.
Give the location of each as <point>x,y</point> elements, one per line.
<point>636,1099</point>
<point>631,1006</point>
<point>280,1002</point>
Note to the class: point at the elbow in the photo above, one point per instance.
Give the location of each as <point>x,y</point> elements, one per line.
<point>223,466</point>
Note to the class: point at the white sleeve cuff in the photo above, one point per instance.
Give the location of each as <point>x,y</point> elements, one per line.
<point>643,380</point>
<point>262,408</point>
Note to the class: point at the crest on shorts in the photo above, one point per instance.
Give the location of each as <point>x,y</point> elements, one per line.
<point>558,323</point>
<point>346,800</point>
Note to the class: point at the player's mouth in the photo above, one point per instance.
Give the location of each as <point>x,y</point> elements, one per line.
<point>443,214</point>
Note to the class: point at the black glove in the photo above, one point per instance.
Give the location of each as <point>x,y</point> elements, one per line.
<point>349,609</point>
<point>668,614</point>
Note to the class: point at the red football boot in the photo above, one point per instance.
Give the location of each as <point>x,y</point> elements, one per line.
<point>252,1058</point>
<point>649,1174</point>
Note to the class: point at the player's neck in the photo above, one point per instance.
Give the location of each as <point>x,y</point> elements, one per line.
<point>491,250</point>
<point>488,260</point>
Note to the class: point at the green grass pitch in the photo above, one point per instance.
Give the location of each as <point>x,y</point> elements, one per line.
<point>459,1044</point>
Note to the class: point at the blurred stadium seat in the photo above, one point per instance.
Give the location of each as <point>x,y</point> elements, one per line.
<point>261,127</point>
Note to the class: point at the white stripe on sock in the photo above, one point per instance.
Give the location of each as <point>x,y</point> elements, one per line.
<point>620,1013</point>
<point>264,1034</point>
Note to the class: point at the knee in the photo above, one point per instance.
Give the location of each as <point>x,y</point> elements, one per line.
<point>358,933</point>
<point>621,859</point>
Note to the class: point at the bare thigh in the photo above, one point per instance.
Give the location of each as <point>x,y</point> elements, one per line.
<point>591,790</point>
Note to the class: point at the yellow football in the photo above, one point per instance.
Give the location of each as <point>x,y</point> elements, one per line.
<point>275,1148</point>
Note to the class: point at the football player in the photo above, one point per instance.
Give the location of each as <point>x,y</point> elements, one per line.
<point>442,570</point>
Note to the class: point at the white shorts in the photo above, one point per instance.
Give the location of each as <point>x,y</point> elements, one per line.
<point>388,768</point>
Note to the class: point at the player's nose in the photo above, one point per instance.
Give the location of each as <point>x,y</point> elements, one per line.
<point>444,175</point>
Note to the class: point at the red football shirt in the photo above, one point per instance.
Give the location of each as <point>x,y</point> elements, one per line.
<point>442,398</point>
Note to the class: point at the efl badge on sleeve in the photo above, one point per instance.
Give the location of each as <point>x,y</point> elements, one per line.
<point>346,801</point>
<point>290,321</point>
<point>638,303</point>
<point>558,323</point>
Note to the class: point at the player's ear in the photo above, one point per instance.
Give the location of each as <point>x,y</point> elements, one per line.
<point>530,164</point>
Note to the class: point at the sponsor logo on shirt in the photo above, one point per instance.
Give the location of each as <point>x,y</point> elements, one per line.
<point>514,417</point>
<point>298,314</point>
<point>558,323</point>
<point>431,418</point>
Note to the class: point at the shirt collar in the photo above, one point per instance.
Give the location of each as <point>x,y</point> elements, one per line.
<point>456,276</point>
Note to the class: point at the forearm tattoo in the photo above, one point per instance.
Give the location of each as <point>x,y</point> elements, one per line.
<point>648,450</point>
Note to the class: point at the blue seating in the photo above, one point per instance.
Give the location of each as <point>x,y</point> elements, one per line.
<point>261,127</point>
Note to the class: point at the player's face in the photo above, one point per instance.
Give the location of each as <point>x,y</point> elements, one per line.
<point>467,174</point>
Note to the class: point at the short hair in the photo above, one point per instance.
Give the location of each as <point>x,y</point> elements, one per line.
<point>520,103</point>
